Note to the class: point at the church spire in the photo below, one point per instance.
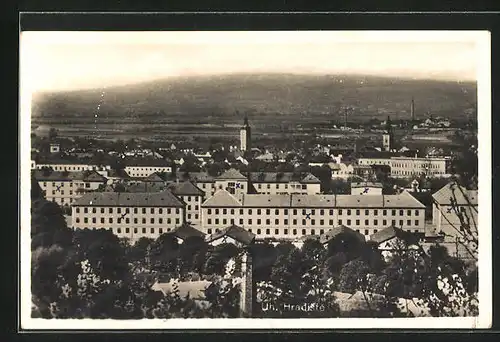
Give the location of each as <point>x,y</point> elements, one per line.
<point>245,121</point>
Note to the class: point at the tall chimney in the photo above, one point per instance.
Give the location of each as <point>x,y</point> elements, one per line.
<point>412,109</point>
<point>247,288</point>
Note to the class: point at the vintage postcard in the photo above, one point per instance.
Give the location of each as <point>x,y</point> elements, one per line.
<point>256,180</point>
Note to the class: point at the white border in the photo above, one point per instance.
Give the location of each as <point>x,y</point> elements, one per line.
<point>481,38</point>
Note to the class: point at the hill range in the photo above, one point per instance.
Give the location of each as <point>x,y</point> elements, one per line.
<point>223,99</point>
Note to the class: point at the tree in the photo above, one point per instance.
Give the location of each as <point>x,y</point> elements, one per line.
<point>164,253</point>
<point>353,276</point>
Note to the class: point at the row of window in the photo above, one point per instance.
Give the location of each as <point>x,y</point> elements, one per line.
<point>312,222</point>
<point>71,183</point>
<point>127,220</point>
<point>196,207</point>
<point>303,231</point>
<point>422,165</point>
<point>313,212</point>
<point>70,168</point>
<point>292,186</point>
<point>145,168</point>
<point>135,230</point>
<point>127,210</point>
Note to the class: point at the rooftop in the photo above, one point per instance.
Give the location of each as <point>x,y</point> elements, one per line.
<point>186,189</point>
<point>456,193</point>
<point>235,232</point>
<point>388,234</point>
<point>231,174</point>
<point>282,177</point>
<point>117,199</point>
<point>332,233</point>
<point>49,175</point>
<point>185,231</point>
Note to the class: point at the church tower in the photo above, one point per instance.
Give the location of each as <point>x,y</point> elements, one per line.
<point>245,136</point>
<point>388,136</point>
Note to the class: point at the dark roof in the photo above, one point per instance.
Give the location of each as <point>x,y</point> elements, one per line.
<point>131,162</point>
<point>186,189</point>
<point>87,176</point>
<point>388,234</point>
<point>332,233</point>
<point>145,187</point>
<point>117,199</point>
<point>282,177</point>
<point>155,177</point>
<point>231,174</point>
<point>458,193</point>
<point>118,173</point>
<point>236,232</point>
<point>185,231</point>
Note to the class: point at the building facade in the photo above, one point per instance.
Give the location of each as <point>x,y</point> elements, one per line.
<point>71,167</point>
<point>405,167</point>
<point>145,170</point>
<point>293,216</point>
<point>64,187</point>
<point>127,215</point>
<point>284,183</point>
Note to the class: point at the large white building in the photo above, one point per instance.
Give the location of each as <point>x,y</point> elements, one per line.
<point>70,166</point>
<point>405,167</point>
<point>293,216</point>
<point>64,187</point>
<point>129,215</point>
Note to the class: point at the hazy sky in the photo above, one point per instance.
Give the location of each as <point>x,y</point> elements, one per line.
<point>77,60</point>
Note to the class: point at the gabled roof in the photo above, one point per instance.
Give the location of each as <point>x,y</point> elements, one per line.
<point>202,177</point>
<point>403,200</point>
<point>366,184</point>
<point>455,192</point>
<point>310,179</point>
<point>388,234</point>
<point>261,200</point>
<point>50,175</point>
<point>187,189</point>
<point>235,232</point>
<point>155,177</point>
<point>332,233</point>
<point>116,199</point>
<point>221,198</point>
<point>148,187</point>
<point>118,173</point>
<point>231,174</point>
<point>185,231</point>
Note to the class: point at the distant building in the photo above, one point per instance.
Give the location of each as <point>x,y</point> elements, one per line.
<point>232,234</point>
<point>144,167</point>
<point>64,165</point>
<point>193,197</point>
<point>406,167</point>
<point>64,187</point>
<point>186,231</point>
<point>245,136</point>
<point>282,183</point>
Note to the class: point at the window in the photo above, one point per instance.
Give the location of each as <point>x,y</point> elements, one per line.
<point>331,211</point>
<point>232,210</point>
<point>416,222</point>
<point>258,221</point>
<point>384,212</point>
<point>294,232</point>
<point>224,211</point>
<point>313,222</point>
<point>393,212</point>
<point>169,220</point>
<point>348,212</point>
<point>295,211</point>
<point>258,231</point>
<point>294,222</point>
<point>216,211</point>
<point>416,212</point>
<point>285,222</point>
<point>276,221</point>
<point>321,222</point>
<point>160,220</point>
<point>209,221</point>
<point>94,210</point>
<point>209,211</point>
<point>249,211</point>
<point>152,210</point>
<point>249,221</point>
<point>322,212</point>
<point>93,220</point>
<point>375,231</point>
<point>384,222</point>
<point>102,210</point>
<point>152,230</point>
<point>169,211</point>
<point>177,221</point>
<point>135,230</point>
<point>224,221</point>
<point>286,211</point>
<point>408,212</point>
<point>119,230</point>
<point>348,222</point>
<point>303,212</point>
<point>393,222</point>
<point>367,212</point>
<point>160,211</point>
<point>160,230</point>
<point>357,212</point>
<point>366,223</point>
<point>268,231</point>
<point>77,220</point>
<point>143,210</point>
<point>303,222</point>
<point>241,211</point>
<point>401,223</point>
<point>127,220</point>
<point>366,232</point>
<point>401,212</point>
<point>375,212</point>
<point>209,231</point>
<point>408,222</point>
<point>216,221</point>
<point>340,211</point>
<point>127,230</point>
<point>177,211</point>
<point>303,232</point>
<point>285,231</point>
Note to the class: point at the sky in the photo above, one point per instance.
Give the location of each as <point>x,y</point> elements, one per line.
<point>59,61</point>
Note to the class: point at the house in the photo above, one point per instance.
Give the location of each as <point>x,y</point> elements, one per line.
<point>64,187</point>
<point>392,238</point>
<point>281,183</point>
<point>193,197</point>
<point>186,231</point>
<point>232,234</point>
<point>366,188</point>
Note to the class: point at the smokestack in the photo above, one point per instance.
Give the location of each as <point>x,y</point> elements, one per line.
<point>412,109</point>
